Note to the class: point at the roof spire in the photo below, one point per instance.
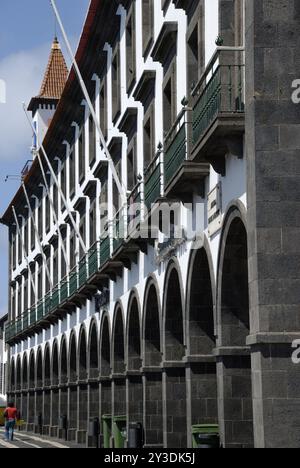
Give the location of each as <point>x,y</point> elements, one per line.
<point>56,73</point>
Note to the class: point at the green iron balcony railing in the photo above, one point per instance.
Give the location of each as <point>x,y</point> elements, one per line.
<point>220,91</point>
<point>93,259</point>
<point>73,281</point>
<point>134,208</point>
<point>48,303</point>
<point>154,181</point>
<point>40,310</point>
<point>64,289</point>
<point>119,229</point>
<point>82,271</point>
<point>33,315</point>
<point>104,248</point>
<point>175,147</point>
<point>55,298</point>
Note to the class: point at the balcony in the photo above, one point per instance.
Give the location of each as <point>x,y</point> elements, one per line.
<point>219,110</point>
<point>182,175</point>
<point>154,181</point>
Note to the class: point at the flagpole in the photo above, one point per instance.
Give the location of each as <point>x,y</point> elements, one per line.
<point>121,189</point>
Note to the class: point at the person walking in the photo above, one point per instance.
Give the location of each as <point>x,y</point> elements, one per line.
<point>10,415</point>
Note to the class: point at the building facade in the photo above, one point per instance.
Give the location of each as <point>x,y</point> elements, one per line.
<point>179,306</point>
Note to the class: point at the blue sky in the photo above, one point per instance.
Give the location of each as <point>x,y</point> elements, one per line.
<point>27,28</point>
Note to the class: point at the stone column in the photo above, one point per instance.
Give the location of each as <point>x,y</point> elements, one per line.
<point>273,148</point>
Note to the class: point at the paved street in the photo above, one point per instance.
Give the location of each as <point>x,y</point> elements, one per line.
<point>25,440</point>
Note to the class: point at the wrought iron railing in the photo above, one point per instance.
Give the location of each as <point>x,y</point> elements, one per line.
<point>154,180</point>
<point>219,91</point>
<point>175,147</point>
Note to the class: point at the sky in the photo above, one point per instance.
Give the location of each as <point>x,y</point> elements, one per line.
<point>27,28</point>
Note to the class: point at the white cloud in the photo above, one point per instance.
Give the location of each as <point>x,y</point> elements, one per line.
<point>22,73</point>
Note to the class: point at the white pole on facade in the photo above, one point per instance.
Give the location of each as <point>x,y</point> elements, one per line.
<point>25,250</point>
<point>54,212</point>
<point>119,185</point>
<point>57,184</point>
<point>37,237</point>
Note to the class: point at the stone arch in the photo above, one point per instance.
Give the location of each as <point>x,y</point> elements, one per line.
<point>152,348</point>
<point>82,354</point>
<point>73,367</point>
<point>118,362</point>
<point>47,366</point>
<point>73,392</point>
<point>174,342</point>
<point>55,365</point>
<point>200,303</point>
<point>39,368</point>
<point>25,372</point>
<point>12,375</point>
<point>105,347</point>
<point>32,370</point>
<point>18,374</point>
<point>105,365</point>
<point>152,358</point>
<point>93,351</point>
<point>175,408</point>
<point>133,333</point>
<point>234,365</point>
<point>201,371</point>
<point>118,341</point>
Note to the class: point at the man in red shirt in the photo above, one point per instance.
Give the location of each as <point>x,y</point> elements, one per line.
<point>10,421</point>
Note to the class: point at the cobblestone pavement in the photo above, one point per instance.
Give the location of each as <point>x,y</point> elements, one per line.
<point>28,440</point>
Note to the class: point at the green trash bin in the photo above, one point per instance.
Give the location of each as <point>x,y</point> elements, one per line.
<point>119,431</point>
<point>206,436</point>
<point>106,430</point>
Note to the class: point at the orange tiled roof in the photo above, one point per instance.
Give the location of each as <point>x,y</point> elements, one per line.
<point>56,74</point>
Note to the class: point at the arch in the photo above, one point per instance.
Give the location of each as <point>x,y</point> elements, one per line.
<point>39,369</point>
<point>12,375</point>
<point>63,364</point>
<point>32,370</point>
<point>234,369</point>
<point>233,284</point>
<point>133,333</point>
<point>47,366</point>
<point>55,365</point>
<point>105,347</point>
<point>82,354</point>
<point>152,357</point>
<point>118,341</point>
<point>200,303</point>
<point>73,358</point>
<point>25,372</point>
<point>93,351</point>
<point>18,374</point>
<point>174,342</point>
<point>152,351</point>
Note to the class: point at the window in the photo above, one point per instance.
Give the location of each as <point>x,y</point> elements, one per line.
<point>149,136</point>
<point>33,299</point>
<point>195,44</point>
<point>72,251</point>
<point>55,267</point>
<point>132,165</point>
<point>13,303</point>
<point>169,99</point>
<point>116,85</point>
<point>63,261</point>
<point>92,141</point>
<point>55,201</point>
<point>148,24</point>
<point>130,48</point>
<point>40,280</point>
<point>103,108</point>
<point>40,216</point>
<point>93,225</point>
<point>82,230</point>
<point>48,208</point>
<point>81,153</point>
<point>72,172</point>
<point>104,201</point>
<point>48,261</point>
<point>13,251</point>
<point>26,293</point>
<point>19,299</point>
<point>20,248</point>
<point>32,230</point>
<point>64,180</point>
<point>26,237</point>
